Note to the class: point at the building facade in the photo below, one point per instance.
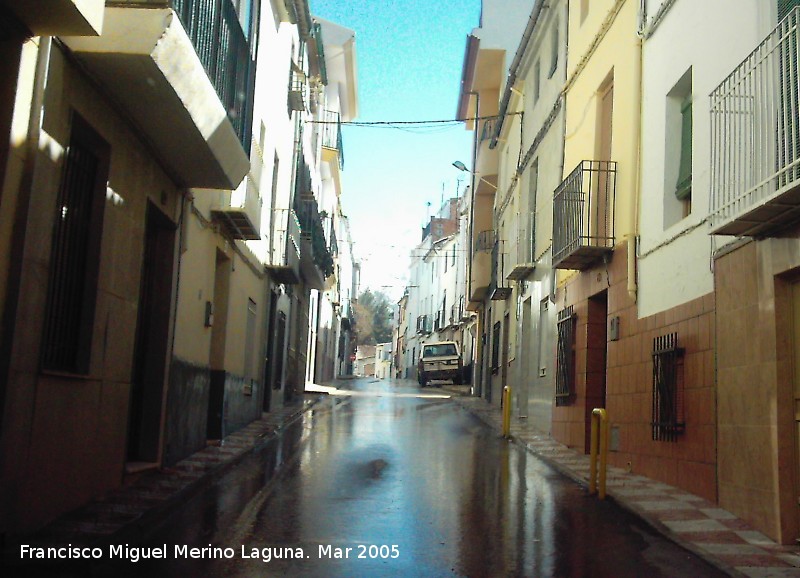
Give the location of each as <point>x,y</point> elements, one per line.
<point>154,276</point>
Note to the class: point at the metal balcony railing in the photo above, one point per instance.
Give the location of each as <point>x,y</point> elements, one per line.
<point>498,291</point>
<point>485,241</point>
<point>311,229</point>
<point>583,215</point>
<point>224,49</point>
<point>523,264</point>
<point>332,133</point>
<point>755,138</point>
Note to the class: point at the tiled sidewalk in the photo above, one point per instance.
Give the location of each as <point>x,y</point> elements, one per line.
<point>127,514</point>
<point>698,525</point>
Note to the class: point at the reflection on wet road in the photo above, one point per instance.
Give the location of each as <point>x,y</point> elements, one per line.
<point>386,483</point>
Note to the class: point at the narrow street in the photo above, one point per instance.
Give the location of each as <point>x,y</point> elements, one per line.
<point>394,480</point>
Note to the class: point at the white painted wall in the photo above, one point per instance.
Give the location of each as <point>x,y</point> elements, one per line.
<point>712,37</point>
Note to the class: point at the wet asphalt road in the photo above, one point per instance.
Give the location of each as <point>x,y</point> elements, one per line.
<point>389,483</point>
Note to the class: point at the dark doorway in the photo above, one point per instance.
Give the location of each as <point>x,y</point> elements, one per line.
<point>152,333</point>
<point>596,354</point>
<point>269,359</point>
<point>218,318</point>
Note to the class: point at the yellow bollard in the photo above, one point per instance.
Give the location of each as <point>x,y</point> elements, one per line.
<point>598,445</point>
<point>506,411</point>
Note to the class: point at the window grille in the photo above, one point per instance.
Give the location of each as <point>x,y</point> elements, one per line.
<point>565,359</point>
<point>75,256</point>
<point>669,418</point>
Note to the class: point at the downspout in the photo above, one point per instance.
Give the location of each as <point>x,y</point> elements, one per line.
<point>512,71</point>
<point>633,236</point>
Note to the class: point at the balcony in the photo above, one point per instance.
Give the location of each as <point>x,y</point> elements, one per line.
<point>755,139</point>
<point>285,258</point>
<point>424,324</point>
<point>332,138</point>
<point>487,161</point>
<point>524,263</point>
<point>316,261</point>
<point>242,218</point>
<point>183,73</point>
<point>59,17</point>
<point>583,215</point>
<point>497,290</point>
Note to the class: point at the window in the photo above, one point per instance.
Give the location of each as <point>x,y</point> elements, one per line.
<point>669,418</point>
<point>537,81</point>
<point>554,52</point>
<point>453,262</point>
<point>75,257</point>
<point>683,189</point>
<point>678,151</point>
<point>496,348</point>
<point>565,356</point>
<point>785,6</point>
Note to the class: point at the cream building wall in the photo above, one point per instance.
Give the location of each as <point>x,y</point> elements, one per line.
<point>64,445</point>
<point>614,58</point>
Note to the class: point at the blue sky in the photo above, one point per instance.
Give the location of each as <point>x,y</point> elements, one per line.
<point>409,57</point>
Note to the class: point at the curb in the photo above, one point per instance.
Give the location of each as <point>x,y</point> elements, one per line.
<point>771,559</point>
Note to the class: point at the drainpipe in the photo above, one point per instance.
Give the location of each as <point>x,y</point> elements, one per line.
<point>633,235</point>
<point>512,71</point>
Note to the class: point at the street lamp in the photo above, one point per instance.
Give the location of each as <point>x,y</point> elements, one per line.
<point>462,167</point>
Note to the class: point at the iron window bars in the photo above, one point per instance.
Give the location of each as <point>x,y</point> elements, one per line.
<point>565,356</point>
<point>669,418</point>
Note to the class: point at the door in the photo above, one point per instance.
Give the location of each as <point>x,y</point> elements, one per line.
<point>596,355</point>
<point>796,391</point>
<point>600,199</point>
<point>527,376</point>
<point>152,332</point>
<point>506,346</point>
<point>269,359</point>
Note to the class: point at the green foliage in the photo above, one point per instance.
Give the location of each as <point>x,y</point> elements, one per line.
<point>374,318</point>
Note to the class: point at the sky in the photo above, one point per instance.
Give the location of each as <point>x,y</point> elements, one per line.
<point>409,56</point>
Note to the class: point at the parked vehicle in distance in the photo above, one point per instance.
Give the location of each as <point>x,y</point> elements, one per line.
<point>440,360</point>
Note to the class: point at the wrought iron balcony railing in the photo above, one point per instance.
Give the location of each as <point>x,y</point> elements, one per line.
<point>755,138</point>
<point>485,241</point>
<point>332,133</point>
<point>311,229</point>
<point>498,291</point>
<point>583,215</point>
<point>523,264</point>
<point>227,56</point>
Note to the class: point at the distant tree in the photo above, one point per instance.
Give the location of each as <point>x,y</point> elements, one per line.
<point>373,314</point>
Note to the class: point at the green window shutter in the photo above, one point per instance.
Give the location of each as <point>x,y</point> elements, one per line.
<point>684,187</point>
<point>785,6</point>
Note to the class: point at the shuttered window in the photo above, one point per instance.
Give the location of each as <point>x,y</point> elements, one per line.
<point>785,6</point>
<point>683,189</point>
<point>75,256</point>
<point>565,356</point>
